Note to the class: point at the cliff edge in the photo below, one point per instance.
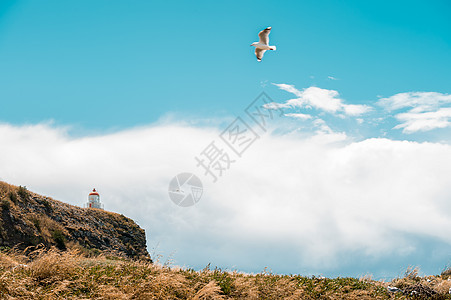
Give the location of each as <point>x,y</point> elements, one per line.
<point>28,219</point>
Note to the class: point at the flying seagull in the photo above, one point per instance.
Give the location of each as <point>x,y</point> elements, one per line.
<point>263,44</point>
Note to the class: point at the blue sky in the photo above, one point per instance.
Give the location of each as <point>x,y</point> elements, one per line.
<point>132,63</point>
<point>354,179</point>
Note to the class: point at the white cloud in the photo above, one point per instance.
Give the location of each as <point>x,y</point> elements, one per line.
<point>325,135</point>
<point>275,105</point>
<point>299,116</point>
<point>289,88</point>
<point>332,78</point>
<point>292,203</point>
<point>413,122</point>
<point>322,99</point>
<point>355,110</point>
<point>426,110</point>
<point>422,101</point>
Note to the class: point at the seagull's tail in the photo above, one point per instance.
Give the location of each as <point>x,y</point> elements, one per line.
<point>272,47</point>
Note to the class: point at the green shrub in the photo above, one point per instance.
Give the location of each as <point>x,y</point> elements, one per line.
<point>47,205</point>
<point>13,197</point>
<point>446,272</point>
<point>223,280</point>
<point>4,248</point>
<point>60,239</point>
<point>23,192</point>
<point>6,204</point>
<point>37,223</point>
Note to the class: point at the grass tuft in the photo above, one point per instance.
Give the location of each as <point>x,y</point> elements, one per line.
<point>23,193</point>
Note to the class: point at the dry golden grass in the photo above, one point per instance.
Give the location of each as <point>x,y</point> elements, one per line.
<point>52,274</point>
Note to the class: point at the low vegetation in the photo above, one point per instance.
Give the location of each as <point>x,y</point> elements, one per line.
<point>54,274</point>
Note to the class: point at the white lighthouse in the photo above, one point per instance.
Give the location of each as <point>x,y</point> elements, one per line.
<point>94,200</point>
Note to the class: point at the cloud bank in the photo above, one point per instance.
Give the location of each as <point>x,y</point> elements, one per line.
<point>295,204</point>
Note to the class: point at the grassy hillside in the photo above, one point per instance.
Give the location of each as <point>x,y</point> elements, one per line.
<point>53,274</point>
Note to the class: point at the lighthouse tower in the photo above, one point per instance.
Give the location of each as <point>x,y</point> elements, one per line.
<point>94,200</point>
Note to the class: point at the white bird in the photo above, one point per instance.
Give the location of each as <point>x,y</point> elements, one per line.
<point>263,44</point>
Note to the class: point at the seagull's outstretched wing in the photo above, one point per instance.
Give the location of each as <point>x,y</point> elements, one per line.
<point>259,53</point>
<point>263,35</point>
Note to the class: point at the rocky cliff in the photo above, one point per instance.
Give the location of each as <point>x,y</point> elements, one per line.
<point>28,219</point>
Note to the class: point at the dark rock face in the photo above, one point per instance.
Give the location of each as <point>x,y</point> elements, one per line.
<point>28,219</point>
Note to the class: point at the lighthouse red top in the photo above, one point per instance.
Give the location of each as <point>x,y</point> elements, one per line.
<point>94,192</point>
